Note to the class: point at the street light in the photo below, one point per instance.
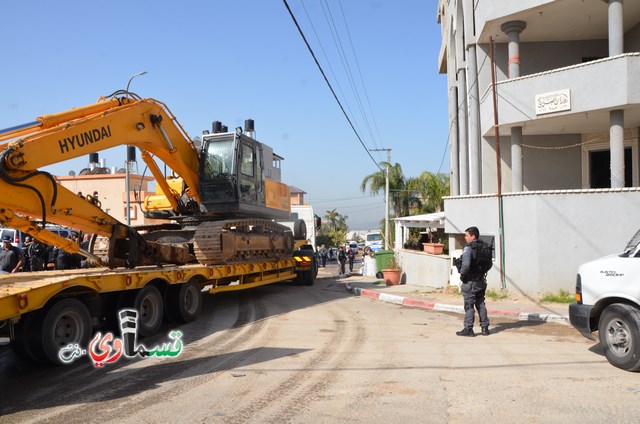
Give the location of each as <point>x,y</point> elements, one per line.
<point>127,180</point>
<point>136,75</point>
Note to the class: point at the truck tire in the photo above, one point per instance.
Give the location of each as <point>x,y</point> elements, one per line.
<point>299,230</point>
<point>63,323</point>
<point>308,278</point>
<point>183,302</point>
<point>148,303</point>
<point>619,332</point>
<point>25,337</point>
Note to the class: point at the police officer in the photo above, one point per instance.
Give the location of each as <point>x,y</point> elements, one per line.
<point>474,285</point>
<point>10,257</point>
<point>342,259</point>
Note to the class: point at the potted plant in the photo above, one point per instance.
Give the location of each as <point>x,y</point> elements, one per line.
<point>392,272</point>
<point>433,248</point>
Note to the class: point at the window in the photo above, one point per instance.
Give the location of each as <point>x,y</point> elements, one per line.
<point>248,160</point>
<point>218,160</point>
<point>596,161</point>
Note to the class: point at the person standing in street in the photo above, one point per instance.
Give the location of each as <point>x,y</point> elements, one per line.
<point>26,266</point>
<point>474,285</point>
<point>352,256</point>
<point>342,260</point>
<point>10,257</point>
<point>38,256</point>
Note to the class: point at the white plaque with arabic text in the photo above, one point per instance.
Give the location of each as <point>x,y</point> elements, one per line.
<point>556,101</point>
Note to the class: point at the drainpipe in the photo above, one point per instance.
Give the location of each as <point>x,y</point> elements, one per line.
<point>498,167</point>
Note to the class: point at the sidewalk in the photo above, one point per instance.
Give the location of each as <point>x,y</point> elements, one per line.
<point>517,306</point>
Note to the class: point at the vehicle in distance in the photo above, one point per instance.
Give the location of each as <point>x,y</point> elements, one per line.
<point>373,241</point>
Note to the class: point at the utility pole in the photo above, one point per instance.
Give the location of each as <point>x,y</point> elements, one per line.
<point>386,198</point>
<point>127,164</point>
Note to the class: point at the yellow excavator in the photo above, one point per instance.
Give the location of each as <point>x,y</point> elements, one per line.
<point>219,203</point>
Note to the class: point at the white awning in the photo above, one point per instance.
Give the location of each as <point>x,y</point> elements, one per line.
<point>429,220</point>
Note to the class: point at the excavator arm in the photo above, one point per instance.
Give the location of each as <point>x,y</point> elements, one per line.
<point>30,194</point>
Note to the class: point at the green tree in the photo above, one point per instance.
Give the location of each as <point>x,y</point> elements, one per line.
<point>400,198</point>
<point>334,230</point>
<point>429,191</point>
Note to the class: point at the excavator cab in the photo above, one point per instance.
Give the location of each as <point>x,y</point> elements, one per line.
<point>233,181</point>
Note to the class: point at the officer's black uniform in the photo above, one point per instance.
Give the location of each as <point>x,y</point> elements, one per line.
<point>474,285</point>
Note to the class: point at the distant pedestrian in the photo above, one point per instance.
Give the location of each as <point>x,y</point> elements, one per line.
<point>26,266</point>
<point>38,256</point>
<point>351,255</point>
<point>67,260</point>
<point>474,286</point>
<point>342,260</point>
<point>10,257</point>
<point>323,257</point>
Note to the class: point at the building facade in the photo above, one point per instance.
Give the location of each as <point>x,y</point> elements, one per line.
<point>546,161</point>
<point>110,190</point>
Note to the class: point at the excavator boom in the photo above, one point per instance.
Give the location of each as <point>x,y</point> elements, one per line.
<point>151,127</point>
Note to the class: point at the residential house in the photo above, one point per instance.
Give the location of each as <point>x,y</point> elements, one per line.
<point>547,164</point>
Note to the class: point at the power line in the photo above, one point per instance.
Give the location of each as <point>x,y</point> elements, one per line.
<point>328,83</point>
<point>345,62</point>
<point>324,53</point>
<point>366,94</point>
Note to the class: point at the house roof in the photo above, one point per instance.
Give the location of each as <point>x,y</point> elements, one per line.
<point>295,190</point>
<point>429,220</point>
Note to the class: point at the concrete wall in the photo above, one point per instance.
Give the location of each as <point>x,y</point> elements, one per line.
<point>542,169</point>
<point>423,269</point>
<point>548,234</point>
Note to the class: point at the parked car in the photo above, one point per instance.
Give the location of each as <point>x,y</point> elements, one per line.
<point>608,301</point>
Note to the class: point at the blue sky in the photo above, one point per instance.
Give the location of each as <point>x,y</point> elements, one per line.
<point>229,60</point>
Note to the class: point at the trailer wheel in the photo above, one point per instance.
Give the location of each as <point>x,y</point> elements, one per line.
<point>148,303</point>
<point>66,322</point>
<point>183,302</point>
<point>25,337</point>
<point>619,332</point>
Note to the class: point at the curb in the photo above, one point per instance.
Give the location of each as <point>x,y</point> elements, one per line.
<point>443,307</point>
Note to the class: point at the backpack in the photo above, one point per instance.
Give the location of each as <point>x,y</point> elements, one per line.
<point>481,256</point>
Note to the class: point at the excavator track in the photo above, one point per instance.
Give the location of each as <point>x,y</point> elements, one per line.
<point>241,240</point>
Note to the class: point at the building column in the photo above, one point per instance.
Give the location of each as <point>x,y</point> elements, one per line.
<point>616,28</point>
<point>616,146</point>
<point>454,177</point>
<point>616,117</point>
<point>473,96</point>
<point>474,122</point>
<point>513,30</point>
<point>516,160</point>
<point>462,131</point>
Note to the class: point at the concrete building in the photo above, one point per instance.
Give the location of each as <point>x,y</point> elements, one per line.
<point>111,193</point>
<point>551,173</point>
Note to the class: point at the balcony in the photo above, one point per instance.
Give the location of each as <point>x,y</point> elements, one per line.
<point>594,89</point>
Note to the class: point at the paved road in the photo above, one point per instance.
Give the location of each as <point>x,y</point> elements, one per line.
<point>318,354</point>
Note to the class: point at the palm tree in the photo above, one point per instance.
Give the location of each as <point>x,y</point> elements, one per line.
<point>399,197</point>
<point>332,218</point>
<point>336,227</point>
<point>431,188</point>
